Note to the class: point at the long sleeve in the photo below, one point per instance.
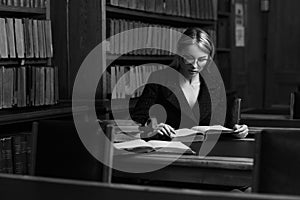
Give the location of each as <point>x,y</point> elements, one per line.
<point>148,98</point>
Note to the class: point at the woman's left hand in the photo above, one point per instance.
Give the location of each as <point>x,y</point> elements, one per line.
<point>240,131</point>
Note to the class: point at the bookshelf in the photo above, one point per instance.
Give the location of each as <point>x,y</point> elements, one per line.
<point>161,18</point>
<point>175,15</point>
<point>28,78</point>
<point>79,26</point>
<point>138,58</point>
<point>83,25</point>
<point>216,17</point>
<point>25,11</point>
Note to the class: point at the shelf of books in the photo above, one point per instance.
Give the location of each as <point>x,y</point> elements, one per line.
<point>15,151</point>
<point>28,79</point>
<point>22,8</point>
<point>148,14</point>
<point>135,66</point>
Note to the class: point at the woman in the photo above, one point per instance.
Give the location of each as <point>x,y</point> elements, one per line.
<point>180,98</point>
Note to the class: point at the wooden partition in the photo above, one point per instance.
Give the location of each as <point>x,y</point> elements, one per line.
<point>59,152</point>
<point>36,188</point>
<point>277,161</point>
<point>286,123</point>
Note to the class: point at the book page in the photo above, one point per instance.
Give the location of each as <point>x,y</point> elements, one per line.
<point>133,144</point>
<point>123,137</point>
<point>187,132</point>
<point>170,146</point>
<point>211,128</point>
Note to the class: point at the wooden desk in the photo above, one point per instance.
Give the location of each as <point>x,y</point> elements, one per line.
<point>228,164</point>
<point>229,147</point>
<point>220,171</point>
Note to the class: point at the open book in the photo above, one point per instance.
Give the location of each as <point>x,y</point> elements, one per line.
<point>198,133</point>
<point>141,146</point>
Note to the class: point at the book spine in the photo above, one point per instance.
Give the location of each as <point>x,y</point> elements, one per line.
<point>1,157</point>
<point>3,39</point>
<point>19,154</point>
<point>7,155</point>
<point>28,150</point>
<point>1,89</point>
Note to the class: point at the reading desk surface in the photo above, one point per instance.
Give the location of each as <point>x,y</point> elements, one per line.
<point>229,164</point>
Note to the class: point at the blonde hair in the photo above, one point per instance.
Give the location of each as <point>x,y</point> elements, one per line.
<point>193,36</point>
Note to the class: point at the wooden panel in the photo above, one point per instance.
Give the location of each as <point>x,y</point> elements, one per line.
<point>239,64</point>
<point>276,161</point>
<point>18,187</point>
<point>285,84</point>
<point>223,63</point>
<point>85,32</point>
<point>255,55</point>
<point>282,51</point>
<point>60,43</point>
<point>220,171</point>
<point>271,122</point>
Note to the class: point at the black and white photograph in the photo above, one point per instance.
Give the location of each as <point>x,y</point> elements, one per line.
<point>150,99</point>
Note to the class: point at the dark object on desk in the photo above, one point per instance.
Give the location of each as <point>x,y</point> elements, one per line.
<point>59,152</point>
<point>277,162</point>
<point>295,105</point>
<point>233,113</point>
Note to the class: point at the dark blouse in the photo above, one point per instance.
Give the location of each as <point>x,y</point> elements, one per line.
<point>167,93</point>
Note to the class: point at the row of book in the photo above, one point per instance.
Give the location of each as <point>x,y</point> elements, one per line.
<point>25,38</point>
<point>28,86</point>
<point>15,154</point>
<point>204,9</point>
<point>25,3</point>
<point>158,35</point>
<point>128,81</point>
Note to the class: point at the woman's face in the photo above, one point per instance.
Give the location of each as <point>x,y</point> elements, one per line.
<point>193,61</point>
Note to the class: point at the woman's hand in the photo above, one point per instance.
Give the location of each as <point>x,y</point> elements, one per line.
<point>240,131</point>
<point>164,130</point>
<point>160,132</point>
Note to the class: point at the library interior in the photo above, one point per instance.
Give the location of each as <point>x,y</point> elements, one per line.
<point>89,107</point>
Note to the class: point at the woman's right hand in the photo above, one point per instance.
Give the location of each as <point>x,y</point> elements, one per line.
<point>164,130</point>
<point>161,132</point>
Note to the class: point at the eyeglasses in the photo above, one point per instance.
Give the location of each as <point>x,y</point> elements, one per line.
<point>192,60</point>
